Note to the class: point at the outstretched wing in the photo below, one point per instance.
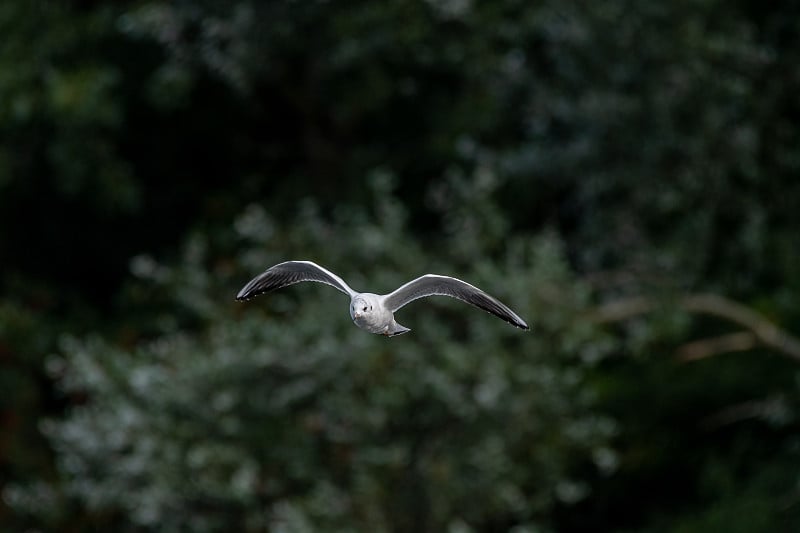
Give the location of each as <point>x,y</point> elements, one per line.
<point>289,273</point>
<point>435,285</point>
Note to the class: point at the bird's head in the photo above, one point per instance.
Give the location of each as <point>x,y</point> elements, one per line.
<point>360,308</point>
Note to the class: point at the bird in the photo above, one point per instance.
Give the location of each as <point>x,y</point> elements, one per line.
<point>375,312</point>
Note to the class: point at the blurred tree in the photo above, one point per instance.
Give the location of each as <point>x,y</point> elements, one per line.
<point>656,144</point>
<point>300,420</point>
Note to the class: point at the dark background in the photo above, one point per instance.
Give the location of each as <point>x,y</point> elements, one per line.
<point>623,174</point>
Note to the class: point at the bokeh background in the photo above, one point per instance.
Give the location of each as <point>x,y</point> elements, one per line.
<point>624,174</point>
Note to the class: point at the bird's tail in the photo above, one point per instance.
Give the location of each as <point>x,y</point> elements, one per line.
<point>397,329</point>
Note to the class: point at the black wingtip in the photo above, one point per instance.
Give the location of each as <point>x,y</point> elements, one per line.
<point>250,291</point>
<point>247,293</point>
<point>515,321</point>
<point>246,296</point>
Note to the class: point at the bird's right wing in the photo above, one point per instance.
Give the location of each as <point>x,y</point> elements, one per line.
<point>289,273</point>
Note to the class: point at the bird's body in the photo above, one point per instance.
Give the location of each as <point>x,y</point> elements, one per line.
<point>368,313</point>
<point>375,312</point>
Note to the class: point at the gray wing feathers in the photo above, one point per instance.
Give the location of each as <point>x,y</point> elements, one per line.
<point>435,285</point>
<point>289,273</point>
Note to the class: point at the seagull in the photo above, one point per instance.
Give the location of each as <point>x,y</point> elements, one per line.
<point>375,312</point>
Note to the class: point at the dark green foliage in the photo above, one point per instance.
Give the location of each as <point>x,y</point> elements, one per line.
<point>562,155</point>
<point>282,411</point>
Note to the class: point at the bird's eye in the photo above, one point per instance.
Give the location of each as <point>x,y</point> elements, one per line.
<point>365,308</point>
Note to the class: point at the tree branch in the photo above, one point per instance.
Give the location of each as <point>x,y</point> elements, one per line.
<point>773,408</point>
<point>767,333</point>
<point>732,342</point>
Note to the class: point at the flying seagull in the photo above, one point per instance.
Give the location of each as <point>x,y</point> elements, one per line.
<point>375,312</point>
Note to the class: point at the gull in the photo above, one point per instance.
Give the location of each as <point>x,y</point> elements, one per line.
<point>375,312</point>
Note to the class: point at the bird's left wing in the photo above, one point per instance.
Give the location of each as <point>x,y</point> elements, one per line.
<point>433,285</point>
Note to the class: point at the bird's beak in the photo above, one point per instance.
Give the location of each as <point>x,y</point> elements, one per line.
<point>357,315</point>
